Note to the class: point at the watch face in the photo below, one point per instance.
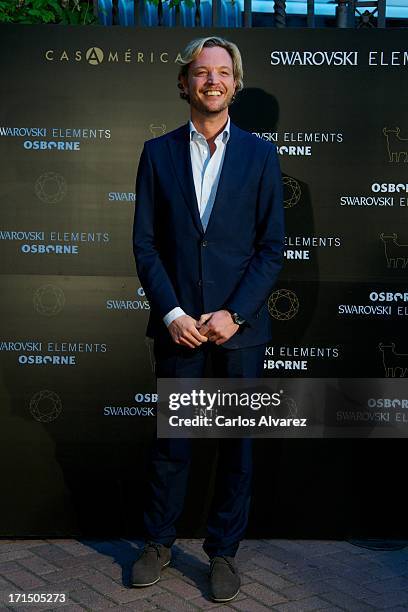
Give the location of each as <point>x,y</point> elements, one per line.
<point>237,319</point>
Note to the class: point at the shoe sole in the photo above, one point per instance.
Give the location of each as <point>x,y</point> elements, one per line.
<point>145,584</point>
<point>219,600</point>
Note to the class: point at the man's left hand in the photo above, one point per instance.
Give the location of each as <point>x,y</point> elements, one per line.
<point>218,326</point>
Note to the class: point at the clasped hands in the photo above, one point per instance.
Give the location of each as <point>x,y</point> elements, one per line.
<point>217,327</point>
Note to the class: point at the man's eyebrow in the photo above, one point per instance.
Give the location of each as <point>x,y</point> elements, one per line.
<point>219,67</point>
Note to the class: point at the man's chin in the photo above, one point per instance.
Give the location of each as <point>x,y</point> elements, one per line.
<point>211,112</point>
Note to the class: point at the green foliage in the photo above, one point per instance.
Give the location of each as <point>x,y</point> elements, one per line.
<point>68,12</point>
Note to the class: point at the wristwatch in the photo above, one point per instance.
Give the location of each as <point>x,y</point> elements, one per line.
<point>238,320</point>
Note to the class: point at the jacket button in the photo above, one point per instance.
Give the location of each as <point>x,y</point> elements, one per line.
<point>200,283</point>
<point>204,243</point>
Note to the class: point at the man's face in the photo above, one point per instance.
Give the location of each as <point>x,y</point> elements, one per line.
<point>210,81</point>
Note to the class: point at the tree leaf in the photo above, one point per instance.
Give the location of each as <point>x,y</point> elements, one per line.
<point>36,12</point>
<point>39,4</point>
<point>72,17</point>
<point>57,8</point>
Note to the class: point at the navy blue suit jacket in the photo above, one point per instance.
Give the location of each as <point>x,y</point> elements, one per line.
<point>235,262</point>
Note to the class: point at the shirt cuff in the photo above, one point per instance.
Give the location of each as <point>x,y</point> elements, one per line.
<point>172,315</point>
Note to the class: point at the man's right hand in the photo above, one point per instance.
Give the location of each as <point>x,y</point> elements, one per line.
<point>183,331</point>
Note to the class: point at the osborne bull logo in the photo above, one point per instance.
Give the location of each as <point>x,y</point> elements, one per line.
<point>395,253</point>
<point>157,130</point>
<point>397,147</point>
<point>395,364</point>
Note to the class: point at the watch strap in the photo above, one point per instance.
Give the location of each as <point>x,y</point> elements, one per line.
<point>238,320</point>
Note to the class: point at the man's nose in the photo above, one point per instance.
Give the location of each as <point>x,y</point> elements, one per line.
<point>212,76</point>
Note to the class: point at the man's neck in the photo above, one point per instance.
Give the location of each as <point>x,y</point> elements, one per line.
<point>209,127</point>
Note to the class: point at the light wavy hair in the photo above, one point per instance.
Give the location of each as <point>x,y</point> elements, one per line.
<point>193,50</point>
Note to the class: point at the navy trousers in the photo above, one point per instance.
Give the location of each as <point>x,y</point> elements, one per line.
<point>171,458</point>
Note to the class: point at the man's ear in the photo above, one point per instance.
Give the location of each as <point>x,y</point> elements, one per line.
<point>183,84</point>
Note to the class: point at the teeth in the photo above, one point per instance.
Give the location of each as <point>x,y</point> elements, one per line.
<point>212,93</point>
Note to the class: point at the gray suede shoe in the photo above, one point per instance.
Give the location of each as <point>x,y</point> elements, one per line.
<point>147,568</point>
<point>224,579</point>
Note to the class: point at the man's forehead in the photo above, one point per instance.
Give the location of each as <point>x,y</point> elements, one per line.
<point>210,55</point>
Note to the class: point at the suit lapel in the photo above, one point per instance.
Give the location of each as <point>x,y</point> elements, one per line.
<point>179,146</point>
<point>233,162</point>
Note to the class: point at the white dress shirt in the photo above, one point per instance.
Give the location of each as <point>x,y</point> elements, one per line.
<point>206,174</point>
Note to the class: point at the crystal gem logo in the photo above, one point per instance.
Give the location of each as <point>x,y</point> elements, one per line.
<point>49,300</point>
<point>50,188</point>
<point>395,364</point>
<point>291,192</point>
<point>283,304</point>
<point>396,254</point>
<point>157,130</point>
<point>288,406</point>
<point>94,56</point>
<point>45,406</point>
<point>397,147</point>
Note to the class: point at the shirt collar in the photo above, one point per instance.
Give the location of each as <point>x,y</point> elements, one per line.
<point>224,135</point>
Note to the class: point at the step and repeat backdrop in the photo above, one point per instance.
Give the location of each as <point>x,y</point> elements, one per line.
<point>77,381</point>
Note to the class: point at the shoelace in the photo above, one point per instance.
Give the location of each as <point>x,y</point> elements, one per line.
<point>215,560</point>
<point>152,545</point>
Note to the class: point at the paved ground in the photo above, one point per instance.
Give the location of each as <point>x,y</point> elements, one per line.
<point>282,575</point>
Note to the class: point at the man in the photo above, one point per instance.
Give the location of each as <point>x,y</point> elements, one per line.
<point>208,240</point>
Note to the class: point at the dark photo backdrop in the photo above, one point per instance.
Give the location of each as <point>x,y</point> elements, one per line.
<point>77,385</point>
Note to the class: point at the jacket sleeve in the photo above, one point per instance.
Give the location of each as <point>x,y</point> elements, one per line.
<point>150,268</point>
<point>266,262</point>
